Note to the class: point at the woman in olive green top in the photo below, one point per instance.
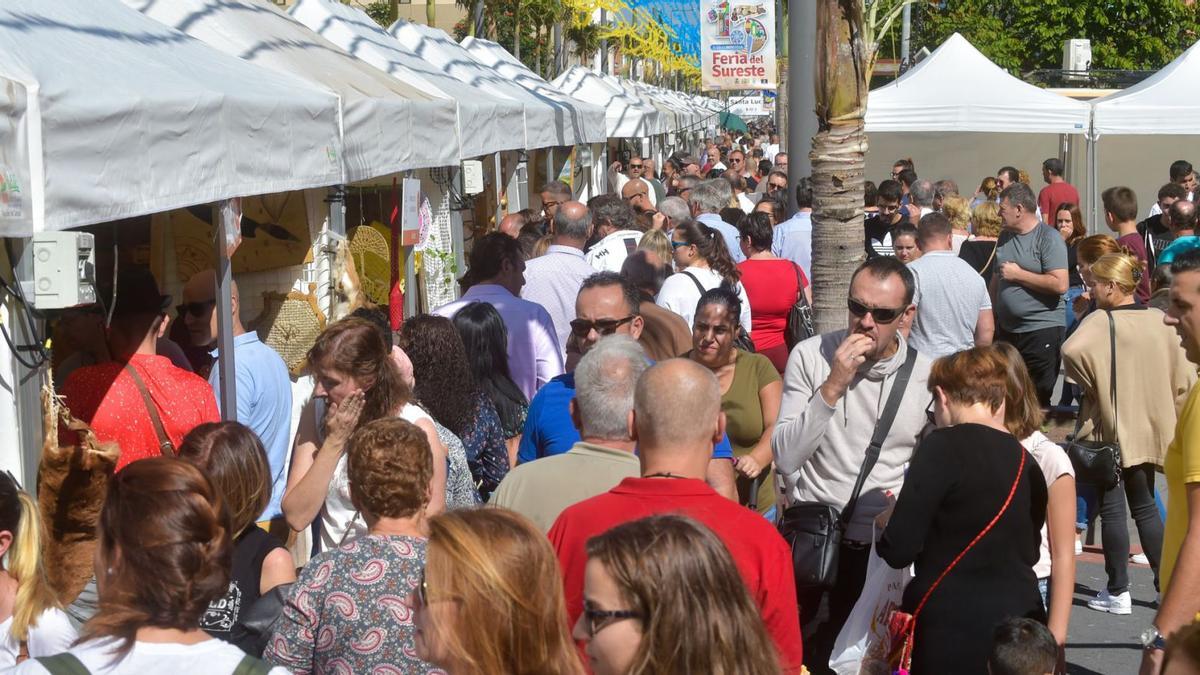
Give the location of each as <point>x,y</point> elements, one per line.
<point>750,394</point>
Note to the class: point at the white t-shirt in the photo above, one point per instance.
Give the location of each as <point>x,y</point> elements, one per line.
<point>211,657</point>
<point>340,521</point>
<point>610,252</point>
<point>1054,463</point>
<point>53,634</point>
<point>680,295</point>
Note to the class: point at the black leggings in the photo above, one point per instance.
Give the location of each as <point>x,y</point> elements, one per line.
<point>1137,488</point>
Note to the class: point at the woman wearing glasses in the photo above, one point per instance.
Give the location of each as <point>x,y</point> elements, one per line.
<point>662,595</point>
<point>750,394</point>
<point>702,263</point>
<point>490,600</point>
<point>349,611</point>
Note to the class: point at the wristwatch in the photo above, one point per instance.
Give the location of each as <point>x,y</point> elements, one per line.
<point>1152,639</point>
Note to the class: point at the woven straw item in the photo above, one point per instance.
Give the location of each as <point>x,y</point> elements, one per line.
<point>290,324</point>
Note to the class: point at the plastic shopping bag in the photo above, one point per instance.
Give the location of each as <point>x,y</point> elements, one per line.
<point>862,647</point>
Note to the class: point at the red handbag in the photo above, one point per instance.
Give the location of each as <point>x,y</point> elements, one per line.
<point>902,626</point>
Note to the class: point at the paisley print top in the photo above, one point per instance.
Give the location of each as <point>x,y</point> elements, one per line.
<point>350,611</point>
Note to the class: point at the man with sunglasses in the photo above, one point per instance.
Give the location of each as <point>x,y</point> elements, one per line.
<point>634,169</point>
<point>554,194</point>
<point>264,387</point>
<point>608,304</point>
<point>737,164</point>
<point>835,388</point>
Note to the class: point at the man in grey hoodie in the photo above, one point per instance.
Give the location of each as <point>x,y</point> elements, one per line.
<point>834,390</point>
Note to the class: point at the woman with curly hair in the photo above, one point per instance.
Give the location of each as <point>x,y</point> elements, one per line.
<point>486,341</point>
<point>444,387</point>
<point>663,595</point>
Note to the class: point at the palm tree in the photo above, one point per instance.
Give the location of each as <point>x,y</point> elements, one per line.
<point>847,42</point>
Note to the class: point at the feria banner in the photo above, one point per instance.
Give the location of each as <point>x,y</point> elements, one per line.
<point>737,44</point>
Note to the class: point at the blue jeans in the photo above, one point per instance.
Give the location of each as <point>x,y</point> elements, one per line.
<point>1072,293</point>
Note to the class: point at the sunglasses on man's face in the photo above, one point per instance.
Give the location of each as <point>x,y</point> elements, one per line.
<point>195,308</point>
<point>772,187</point>
<point>635,166</point>
<point>582,327</point>
<point>882,315</point>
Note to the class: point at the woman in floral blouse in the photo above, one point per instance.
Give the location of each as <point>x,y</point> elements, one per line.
<point>349,610</point>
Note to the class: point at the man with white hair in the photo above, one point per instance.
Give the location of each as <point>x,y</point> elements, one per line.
<point>605,380</point>
<point>676,210</point>
<point>707,199</point>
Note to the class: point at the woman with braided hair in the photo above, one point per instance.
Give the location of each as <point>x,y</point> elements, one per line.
<point>164,554</point>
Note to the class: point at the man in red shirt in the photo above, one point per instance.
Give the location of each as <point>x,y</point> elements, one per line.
<point>106,395</point>
<point>676,419</point>
<point>1057,191</point>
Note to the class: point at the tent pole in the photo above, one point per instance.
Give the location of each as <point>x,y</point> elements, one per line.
<point>225,364</point>
<point>499,190</point>
<point>337,209</point>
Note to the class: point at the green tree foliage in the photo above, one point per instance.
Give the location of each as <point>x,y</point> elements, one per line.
<point>1023,35</point>
<point>381,12</point>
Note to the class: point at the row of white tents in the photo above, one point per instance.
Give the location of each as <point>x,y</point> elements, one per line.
<point>959,115</point>
<point>114,110</point>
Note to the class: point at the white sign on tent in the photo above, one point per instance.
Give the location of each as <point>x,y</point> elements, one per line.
<point>737,44</point>
<point>748,106</point>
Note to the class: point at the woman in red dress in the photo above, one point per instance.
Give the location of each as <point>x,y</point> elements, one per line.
<point>772,284</point>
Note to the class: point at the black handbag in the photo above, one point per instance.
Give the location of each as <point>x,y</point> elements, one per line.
<point>742,340</point>
<point>814,530</point>
<point>253,628</point>
<point>1098,462</point>
<point>800,317</point>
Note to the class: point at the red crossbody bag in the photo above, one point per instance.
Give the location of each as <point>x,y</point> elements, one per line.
<point>902,626</point>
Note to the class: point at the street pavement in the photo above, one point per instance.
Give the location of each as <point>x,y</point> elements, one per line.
<point>1102,643</point>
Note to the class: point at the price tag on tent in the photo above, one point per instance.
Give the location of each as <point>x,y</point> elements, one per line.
<point>410,212</point>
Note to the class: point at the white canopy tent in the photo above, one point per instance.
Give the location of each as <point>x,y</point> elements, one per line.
<point>962,116</point>
<point>587,120</point>
<point>627,116</point>
<point>1137,132</point>
<point>486,124</point>
<point>546,120</point>
<point>677,117</point>
<point>110,114</point>
<point>387,125</point>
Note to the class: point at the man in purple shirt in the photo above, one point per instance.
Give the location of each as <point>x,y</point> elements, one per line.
<point>495,276</point>
<point>553,280</point>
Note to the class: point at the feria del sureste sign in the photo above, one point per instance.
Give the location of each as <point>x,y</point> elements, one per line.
<point>737,44</point>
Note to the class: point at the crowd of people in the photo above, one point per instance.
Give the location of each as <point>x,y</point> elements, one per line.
<point>610,453</point>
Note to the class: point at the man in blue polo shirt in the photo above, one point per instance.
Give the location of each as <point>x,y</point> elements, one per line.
<point>607,303</point>
<point>264,388</point>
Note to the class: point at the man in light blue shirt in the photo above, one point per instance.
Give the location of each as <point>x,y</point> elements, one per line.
<point>264,388</point>
<point>706,200</point>
<point>793,237</point>
<point>553,280</point>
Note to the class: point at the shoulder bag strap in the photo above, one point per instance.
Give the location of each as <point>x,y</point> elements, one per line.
<point>164,441</point>
<point>882,427</point>
<point>250,665</point>
<point>1011,491</point>
<point>986,265</point>
<point>1112,345</point>
<point>699,286</point>
<point>65,663</point>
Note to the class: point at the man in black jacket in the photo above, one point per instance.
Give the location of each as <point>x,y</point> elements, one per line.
<point>1156,230</point>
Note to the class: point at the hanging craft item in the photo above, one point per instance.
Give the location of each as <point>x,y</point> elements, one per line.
<point>396,294</point>
<point>370,251</point>
<point>290,324</point>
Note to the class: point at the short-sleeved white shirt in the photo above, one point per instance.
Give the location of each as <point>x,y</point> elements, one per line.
<point>1054,463</point>
<point>52,634</point>
<point>211,657</point>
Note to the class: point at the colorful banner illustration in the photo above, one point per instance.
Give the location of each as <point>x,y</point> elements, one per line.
<point>737,44</point>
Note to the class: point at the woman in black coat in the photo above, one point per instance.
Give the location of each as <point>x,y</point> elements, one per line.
<point>961,476</point>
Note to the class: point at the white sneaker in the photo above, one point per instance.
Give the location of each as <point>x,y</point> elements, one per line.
<point>1078,547</point>
<point>1113,604</point>
<point>1139,559</point>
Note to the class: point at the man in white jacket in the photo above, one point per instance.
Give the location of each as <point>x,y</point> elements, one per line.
<point>834,391</point>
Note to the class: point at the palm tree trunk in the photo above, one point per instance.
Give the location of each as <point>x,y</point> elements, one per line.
<point>517,30</point>
<point>430,12</point>
<point>838,158</point>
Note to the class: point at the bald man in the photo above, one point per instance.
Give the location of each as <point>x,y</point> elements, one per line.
<point>512,224</point>
<point>676,419</point>
<point>264,388</point>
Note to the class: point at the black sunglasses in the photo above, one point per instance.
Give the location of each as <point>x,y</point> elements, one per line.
<point>195,308</point>
<point>581,327</point>
<point>880,314</point>
<point>598,620</point>
<point>929,414</point>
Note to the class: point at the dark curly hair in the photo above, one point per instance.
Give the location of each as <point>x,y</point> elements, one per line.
<point>165,541</point>
<point>444,384</point>
<point>389,466</point>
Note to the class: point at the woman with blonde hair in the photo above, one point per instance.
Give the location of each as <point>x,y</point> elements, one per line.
<point>958,210</point>
<point>657,242</point>
<point>663,595</point>
<point>969,518</point>
<point>163,556</point>
<point>357,382</point>
<point>1134,376</point>
<point>33,623</point>
<point>1055,568</point>
<point>989,191</point>
<point>490,600</point>
<point>980,251</point>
